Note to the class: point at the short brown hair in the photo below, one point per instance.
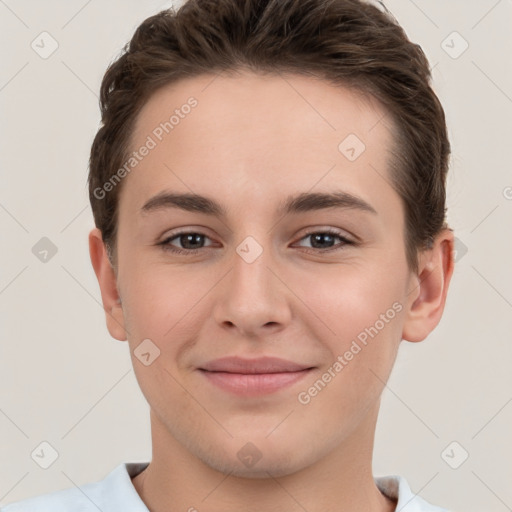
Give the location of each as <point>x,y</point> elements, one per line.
<point>347,42</point>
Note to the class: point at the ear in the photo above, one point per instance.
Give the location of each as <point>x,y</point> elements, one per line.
<point>108,285</point>
<point>428,289</point>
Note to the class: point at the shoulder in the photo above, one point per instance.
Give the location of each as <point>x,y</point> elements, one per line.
<point>114,492</point>
<point>397,488</point>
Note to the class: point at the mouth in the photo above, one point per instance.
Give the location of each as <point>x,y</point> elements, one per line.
<point>253,377</point>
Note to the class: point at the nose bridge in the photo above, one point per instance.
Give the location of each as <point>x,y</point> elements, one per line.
<point>253,296</point>
<point>251,278</point>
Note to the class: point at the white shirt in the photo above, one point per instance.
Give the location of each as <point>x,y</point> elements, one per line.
<point>116,493</point>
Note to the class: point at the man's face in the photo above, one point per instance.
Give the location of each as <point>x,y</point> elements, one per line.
<point>262,282</point>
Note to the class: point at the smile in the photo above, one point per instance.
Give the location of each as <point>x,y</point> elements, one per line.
<point>254,384</point>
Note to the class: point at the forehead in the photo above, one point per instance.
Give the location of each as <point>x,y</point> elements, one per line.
<point>252,136</point>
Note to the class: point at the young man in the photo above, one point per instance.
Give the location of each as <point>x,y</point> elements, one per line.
<point>268,188</point>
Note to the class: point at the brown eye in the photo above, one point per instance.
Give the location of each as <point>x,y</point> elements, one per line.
<point>191,242</point>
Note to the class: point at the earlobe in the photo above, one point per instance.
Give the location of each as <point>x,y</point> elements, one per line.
<point>428,289</point>
<point>107,281</point>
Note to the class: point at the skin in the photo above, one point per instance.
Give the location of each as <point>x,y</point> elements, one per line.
<point>252,141</point>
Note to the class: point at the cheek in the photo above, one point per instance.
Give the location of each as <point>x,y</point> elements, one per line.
<point>347,299</point>
<point>163,305</point>
<point>161,300</point>
<point>361,355</point>
<point>361,314</point>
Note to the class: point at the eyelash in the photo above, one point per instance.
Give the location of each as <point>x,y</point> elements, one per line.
<point>167,247</point>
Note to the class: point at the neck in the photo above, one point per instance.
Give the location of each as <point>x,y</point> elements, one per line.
<point>341,480</point>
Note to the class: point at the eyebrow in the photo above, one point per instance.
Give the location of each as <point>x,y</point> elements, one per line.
<point>303,202</point>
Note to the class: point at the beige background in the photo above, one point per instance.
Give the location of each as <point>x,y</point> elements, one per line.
<point>66,382</point>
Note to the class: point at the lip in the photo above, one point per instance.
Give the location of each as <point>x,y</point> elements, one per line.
<point>235,364</point>
<point>253,377</point>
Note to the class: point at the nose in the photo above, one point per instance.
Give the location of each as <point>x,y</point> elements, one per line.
<point>253,299</point>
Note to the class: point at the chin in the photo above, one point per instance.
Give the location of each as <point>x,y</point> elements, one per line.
<point>264,468</point>
<point>259,458</point>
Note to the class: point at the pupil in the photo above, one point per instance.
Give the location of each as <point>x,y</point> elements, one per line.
<point>193,238</point>
<point>321,238</point>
